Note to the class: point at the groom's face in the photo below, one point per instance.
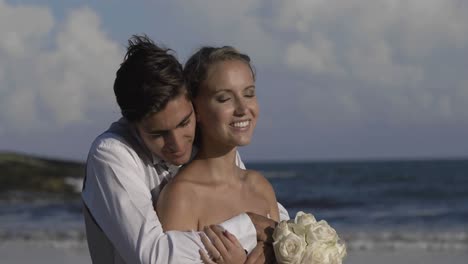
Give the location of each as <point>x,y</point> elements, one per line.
<point>169,133</point>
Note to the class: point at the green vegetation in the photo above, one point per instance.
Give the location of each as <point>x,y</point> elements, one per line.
<point>20,172</point>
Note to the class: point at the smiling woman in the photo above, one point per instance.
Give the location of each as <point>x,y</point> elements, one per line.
<point>227,108</point>
<point>212,188</point>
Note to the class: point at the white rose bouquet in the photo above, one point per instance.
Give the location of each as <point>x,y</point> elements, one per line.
<point>306,241</point>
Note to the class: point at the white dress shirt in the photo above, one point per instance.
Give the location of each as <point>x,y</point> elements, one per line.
<point>122,182</point>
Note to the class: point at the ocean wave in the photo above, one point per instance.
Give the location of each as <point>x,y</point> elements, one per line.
<point>321,203</point>
<point>69,239</point>
<point>280,174</point>
<point>355,240</point>
<point>424,240</point>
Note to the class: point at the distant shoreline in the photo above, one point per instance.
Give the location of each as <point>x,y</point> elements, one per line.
<point>27,173</point>
<point>269,161</point>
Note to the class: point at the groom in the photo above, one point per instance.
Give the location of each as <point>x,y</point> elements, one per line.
<point>130,162</point>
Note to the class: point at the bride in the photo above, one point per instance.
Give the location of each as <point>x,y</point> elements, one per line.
<point>211,188</point>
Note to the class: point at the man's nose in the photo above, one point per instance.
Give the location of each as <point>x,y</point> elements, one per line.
<point>174,141</point>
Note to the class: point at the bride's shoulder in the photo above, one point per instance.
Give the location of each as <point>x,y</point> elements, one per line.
<point>260,185</point>
<point>257,180</point>
<point>177,188</point>
<point>183,186</point>
<point>175,203</point>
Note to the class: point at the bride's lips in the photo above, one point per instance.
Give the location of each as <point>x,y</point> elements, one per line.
<point>241,125</point>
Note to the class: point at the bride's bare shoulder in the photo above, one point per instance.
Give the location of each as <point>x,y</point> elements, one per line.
<point>175,206</point>
<point>257,180</point>
<point>262,186</point>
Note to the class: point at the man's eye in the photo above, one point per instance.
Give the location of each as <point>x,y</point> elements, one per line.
<point>155,136</point>
<point>185,124</point>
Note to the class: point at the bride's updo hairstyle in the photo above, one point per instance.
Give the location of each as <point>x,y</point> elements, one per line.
<point>197,66</point>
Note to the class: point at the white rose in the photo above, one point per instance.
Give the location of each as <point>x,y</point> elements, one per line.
<point>308,257</point>
<point>304,219</point>
<point>321,232</point>
<point>341,248</point>
<point>289,249</point>
<point>282,229</point>
<point>320,253</point>
<point>298,229</point>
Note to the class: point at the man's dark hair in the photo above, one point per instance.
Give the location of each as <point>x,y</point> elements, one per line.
<point>148,78</point>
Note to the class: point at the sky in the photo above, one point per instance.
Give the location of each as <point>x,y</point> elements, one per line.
<point>336,80</point>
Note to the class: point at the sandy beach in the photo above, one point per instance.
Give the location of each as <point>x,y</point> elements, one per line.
<point>19,252</point>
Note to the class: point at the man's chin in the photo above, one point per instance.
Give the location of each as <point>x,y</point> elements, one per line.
<point>178,160</point>
<point>178,163</point>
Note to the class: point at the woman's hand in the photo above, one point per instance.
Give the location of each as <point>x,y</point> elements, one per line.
<point>222,247</point>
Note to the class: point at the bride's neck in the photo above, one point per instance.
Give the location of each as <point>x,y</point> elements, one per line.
<point>220,164</point>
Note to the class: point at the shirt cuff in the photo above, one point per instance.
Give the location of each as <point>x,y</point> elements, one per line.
<point>283,213</point>
<point>242,227</point>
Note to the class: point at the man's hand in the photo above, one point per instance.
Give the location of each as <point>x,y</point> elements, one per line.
<point>222,246</point>
<point>262,253</point>
<point>264,227</point>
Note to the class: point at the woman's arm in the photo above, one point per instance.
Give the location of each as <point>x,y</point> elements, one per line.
<point>271,198</point>
<point>264,188</point>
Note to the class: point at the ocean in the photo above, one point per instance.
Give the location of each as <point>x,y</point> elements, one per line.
<point>372,204</point>
<point>380,204</point>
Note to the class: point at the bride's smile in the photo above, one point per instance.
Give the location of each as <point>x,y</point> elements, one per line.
<point>226,106</point>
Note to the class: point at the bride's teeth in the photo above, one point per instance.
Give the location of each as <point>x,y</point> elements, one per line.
<point>241,124</point>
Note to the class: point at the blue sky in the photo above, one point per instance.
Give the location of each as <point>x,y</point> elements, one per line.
<point>360,79</point>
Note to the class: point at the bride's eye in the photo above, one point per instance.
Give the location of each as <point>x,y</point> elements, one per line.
<point>222,99</point>
<point>250,92</point>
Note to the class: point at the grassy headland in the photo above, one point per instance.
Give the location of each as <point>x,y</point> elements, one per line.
<point>19,172</point>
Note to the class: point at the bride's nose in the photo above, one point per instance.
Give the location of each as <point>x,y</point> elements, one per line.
<point>240,107</point>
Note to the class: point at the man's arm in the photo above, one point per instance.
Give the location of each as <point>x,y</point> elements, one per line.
<point>120,204</point>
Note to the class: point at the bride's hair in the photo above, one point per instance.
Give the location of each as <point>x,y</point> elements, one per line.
<point>197,65</point>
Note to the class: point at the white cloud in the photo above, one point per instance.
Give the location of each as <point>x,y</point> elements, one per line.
<point>235,23</point>
<point>369,34</point>
<point>383,56</point>
<point>318,102</point>
<point>318,57</point>
<point>22,27</point>
<point>401,61</point>
<point>53,73</point>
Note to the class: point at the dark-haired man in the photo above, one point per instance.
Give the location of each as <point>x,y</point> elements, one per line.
<point>129,163</point>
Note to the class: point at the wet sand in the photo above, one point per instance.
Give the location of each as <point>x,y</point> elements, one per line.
<point>19,252</point>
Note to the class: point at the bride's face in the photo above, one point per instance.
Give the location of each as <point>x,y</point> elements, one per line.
<point>226,105</point>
